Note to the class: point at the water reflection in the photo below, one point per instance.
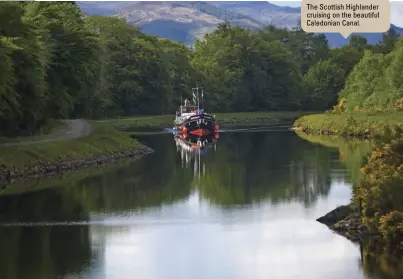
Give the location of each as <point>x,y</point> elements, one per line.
<point>191,149</point>
<point>251,168</point>
<point>379,264</point>
<point>43,251</point>
<point>249,215</point>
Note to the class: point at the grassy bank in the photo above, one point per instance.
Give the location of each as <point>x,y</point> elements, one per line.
<point>377,125</point>
<point>166,121</point>
<point>107,138</point>
<point>104,139</point>
<point>375,166</point>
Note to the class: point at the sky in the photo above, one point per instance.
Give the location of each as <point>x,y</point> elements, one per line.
<point>396,9</point>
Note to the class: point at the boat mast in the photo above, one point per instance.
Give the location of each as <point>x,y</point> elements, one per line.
<point>202,95</point>
<point>197,94</point>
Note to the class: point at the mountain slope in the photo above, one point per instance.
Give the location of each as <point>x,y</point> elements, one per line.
<point>264,12</point>
<point>181,21</point>
<point>187,21</point>
<point>288,17</point>
<point>102,8</point>
<point>337,40</point>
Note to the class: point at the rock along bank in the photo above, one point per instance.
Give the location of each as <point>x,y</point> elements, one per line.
<point>42,169</point>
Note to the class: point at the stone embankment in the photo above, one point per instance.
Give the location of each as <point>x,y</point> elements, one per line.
<point>346,221</point>
<point>359,135</point>
<point>41,169</point>
<point>259,120</point>
<point>253,121</point>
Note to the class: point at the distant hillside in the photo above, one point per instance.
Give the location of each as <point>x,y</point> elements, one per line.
<point>288,17</point>
<point>187,21</point>
<point>102,8</point>
<point>181,21</point>
<point>264,12</point>
<point>337,40</point>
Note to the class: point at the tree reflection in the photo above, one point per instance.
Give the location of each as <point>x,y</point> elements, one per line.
<point>352,152</point>
<point>245,168</point>
<point>151,181</point>
<point>251,167</point>
<point>42,251</point>
<point>378,263</point>
<point>57,250</point>
<point>379,184</point>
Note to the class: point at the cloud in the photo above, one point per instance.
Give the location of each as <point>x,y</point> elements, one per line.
<point>197,240</point>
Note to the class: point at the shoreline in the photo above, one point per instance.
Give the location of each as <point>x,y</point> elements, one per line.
<point>345,220</point>
<point>348,220</point>
<point>223,119</point>
<point>242,123</point>
<point>48,169</point>
<point>308,131</point>
<point>51,168</point>
<point>387,125</point>
<point>118,145</point>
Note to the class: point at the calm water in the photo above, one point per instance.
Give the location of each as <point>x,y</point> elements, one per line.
<point>247,212</point>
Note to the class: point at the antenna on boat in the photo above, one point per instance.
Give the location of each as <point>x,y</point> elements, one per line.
<point>202,96</point>
<point>197,94</point>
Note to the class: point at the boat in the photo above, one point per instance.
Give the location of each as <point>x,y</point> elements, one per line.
<point>191,117</point>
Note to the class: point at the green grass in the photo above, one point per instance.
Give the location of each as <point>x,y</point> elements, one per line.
<point>282,115</point>
<point>106,138</point>
<point>378,125</point>
<point>103,140</point>
<point>166,121</point>
<point>161,121</point>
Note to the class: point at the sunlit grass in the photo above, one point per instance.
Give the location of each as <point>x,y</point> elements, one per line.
<point>381,124</point>
<point>166,121</point>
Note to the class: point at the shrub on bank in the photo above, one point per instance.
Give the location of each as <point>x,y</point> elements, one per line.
<point>381,192</point>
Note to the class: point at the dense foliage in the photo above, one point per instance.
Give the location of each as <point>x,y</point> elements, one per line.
<point>380,192</point>
<point>57,63</point>
<point>375,84</point>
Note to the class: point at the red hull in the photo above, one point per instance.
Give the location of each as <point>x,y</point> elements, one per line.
<point>200,132</point>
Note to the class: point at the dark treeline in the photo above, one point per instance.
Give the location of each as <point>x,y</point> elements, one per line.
<point>55,62</point>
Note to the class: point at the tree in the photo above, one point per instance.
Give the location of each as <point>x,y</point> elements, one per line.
<point>360,43</point>
<point>247,72</point>
<point>346,58</point>
<point>375,83</point>
<point>307,48</point>
<point>323,82</point>
<point>22,79</point>
<point>389,40</point>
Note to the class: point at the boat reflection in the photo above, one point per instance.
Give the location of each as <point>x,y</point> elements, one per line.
<point>192,147</point>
